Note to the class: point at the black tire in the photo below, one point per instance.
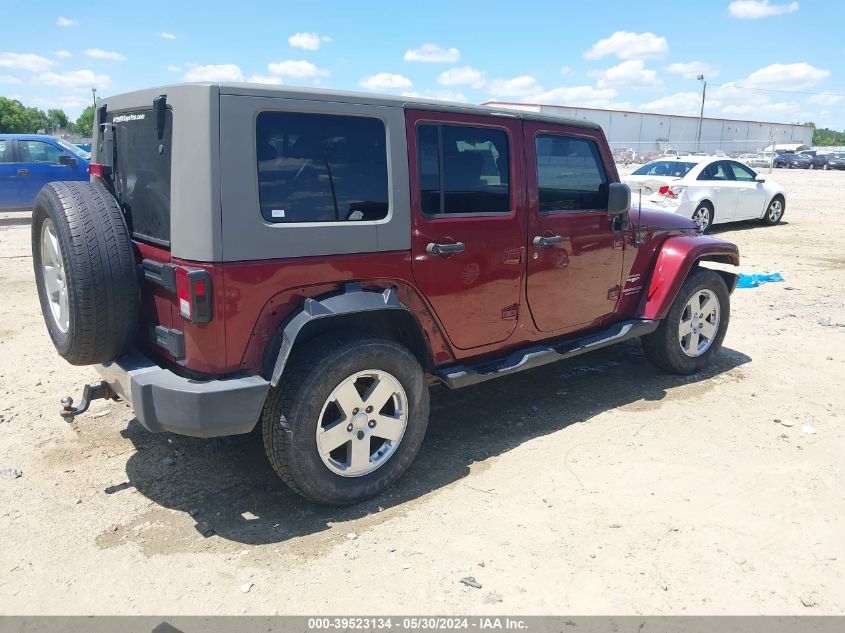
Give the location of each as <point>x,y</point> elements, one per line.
<point>771,217</point>
<point>98,269</point>
<point>291,414</point>
<point>708,207</point>
<point>826,167</point>
<point>663,348</point>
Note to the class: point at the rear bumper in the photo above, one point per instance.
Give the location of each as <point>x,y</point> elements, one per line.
<point>164,401</point>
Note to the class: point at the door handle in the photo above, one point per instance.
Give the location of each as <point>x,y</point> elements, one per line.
<point>23,172</point>
<point>545,242</point>
<point>445,249</point>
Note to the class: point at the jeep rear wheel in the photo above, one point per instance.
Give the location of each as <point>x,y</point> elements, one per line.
<point>84,271</point>
<point>347,419</point>
<point>692,332</point>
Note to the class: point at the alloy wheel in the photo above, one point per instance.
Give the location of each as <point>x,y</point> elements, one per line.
<point>775,210</point>
<point>362,422</point>
<point>53,272</point>
<point>699,323</point>
<point>702,217</point>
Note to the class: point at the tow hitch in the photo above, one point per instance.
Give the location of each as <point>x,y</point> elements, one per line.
<point>89,393</point>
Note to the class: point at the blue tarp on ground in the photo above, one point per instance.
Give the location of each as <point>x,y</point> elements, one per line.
<point>752,281</point>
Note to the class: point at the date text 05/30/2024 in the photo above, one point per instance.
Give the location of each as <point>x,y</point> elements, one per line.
<point>415,624</point>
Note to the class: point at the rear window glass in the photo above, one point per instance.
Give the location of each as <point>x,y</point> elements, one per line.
<point>463,169</point>
<point>673,168</point>
<point>142,172</point>
<point>321,167</point>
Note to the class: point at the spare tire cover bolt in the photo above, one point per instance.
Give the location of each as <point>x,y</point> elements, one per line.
<point>360,435</point>
<point>349,428</point>
<point>372,424</point>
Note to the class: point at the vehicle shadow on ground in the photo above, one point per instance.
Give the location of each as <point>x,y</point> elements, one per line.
<point>229,489</point>
<point>745,225</point>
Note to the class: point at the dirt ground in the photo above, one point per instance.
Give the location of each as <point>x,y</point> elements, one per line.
<point>593,486</point>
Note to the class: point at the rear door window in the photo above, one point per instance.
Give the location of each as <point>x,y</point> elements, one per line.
<point>321,167</point>
<point>141,178</point>
<point>6,152</point>
<point>716,171</point>
<point>570,174</point>
<point>463,169</point>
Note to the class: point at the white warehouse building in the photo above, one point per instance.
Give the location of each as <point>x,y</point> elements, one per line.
<point>648,132</point>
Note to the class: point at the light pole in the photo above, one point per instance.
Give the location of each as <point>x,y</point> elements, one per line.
<point>94,96</point>
<point>701,114</point>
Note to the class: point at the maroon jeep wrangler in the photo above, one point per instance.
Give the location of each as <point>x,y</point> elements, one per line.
<point>311,261</point>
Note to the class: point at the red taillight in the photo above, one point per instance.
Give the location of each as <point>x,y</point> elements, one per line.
<point>96,169</point>
<point>664,190</point>
<point>193,292</point>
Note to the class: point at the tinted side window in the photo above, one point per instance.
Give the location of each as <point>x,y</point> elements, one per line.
<point>39,152</point>
<point>570,174</point>
<point>741,172</point>
<point>321,167</point>
<point>714,171</point>
<point>5,152</point>
<point>463,169</point>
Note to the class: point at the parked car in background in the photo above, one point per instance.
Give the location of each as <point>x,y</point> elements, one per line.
<point>791,161</point>
<point>624,155</point>
<point>835,160</point>
<point>709,190</point>
<point>29,161</point>
<point>757,159</point>
<point>809,153</point>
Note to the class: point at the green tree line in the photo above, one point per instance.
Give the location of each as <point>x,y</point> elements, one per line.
<point>16,118</point>
<point>825,136</point>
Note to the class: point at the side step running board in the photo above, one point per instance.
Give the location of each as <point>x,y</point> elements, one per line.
<point>458,376</point>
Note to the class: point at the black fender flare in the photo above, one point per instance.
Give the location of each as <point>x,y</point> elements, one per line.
<point>353,300</point>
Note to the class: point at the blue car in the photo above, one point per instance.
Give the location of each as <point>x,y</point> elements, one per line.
<point>29,161</point>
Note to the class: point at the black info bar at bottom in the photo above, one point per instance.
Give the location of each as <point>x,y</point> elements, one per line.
<point>533,624</point>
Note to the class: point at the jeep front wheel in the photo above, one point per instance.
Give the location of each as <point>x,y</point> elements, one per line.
<point>692,332</point>
<point>347,419</point>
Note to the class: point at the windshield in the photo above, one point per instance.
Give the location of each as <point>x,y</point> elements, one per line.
<point>75,150</point>
<point>672,168</point>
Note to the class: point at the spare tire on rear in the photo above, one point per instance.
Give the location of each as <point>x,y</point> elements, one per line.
<point>85,271</point>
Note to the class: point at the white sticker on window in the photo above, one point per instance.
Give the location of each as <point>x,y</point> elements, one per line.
<point>277,213</point>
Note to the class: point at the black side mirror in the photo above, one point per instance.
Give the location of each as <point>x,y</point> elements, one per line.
<point>67,161</point>
<point>618,198</point>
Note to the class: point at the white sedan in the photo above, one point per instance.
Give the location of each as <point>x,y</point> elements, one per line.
<point>709,189</point>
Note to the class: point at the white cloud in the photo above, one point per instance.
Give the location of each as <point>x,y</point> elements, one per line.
<point>63,54</point>
<point>440,95</point>
<point>785,77</point>
<point>214,72</point>
<point>755,9</point>
<point>63,21</point>
<point>463,76</point>
<point>173,68</point>
<point>386,81</point>
<point>65,102</point>
<point>432,53</point>
<point>565,70</point>
<point>265,79</point>
<point>685,103</point>
<point>737,109</point>
<point>166,36</point>
<point>74,79</point>
<point>308,41</point>
<point>98,53</point>
<point>9,79</point>
<point>583,96</point>
<point>297,69</point>
<point>627,45</point>
<point>692,70</point>
<point>826,99</point>
<point>516,87</point>
<point>632,73</point>
<point>25,61</point>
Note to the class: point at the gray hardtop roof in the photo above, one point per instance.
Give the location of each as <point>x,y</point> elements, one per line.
<point>341,96</point>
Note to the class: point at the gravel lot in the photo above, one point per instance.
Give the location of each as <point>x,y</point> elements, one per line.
<point>596,485</point>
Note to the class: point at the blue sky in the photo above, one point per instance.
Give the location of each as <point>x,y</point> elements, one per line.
<point>765,60</point>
